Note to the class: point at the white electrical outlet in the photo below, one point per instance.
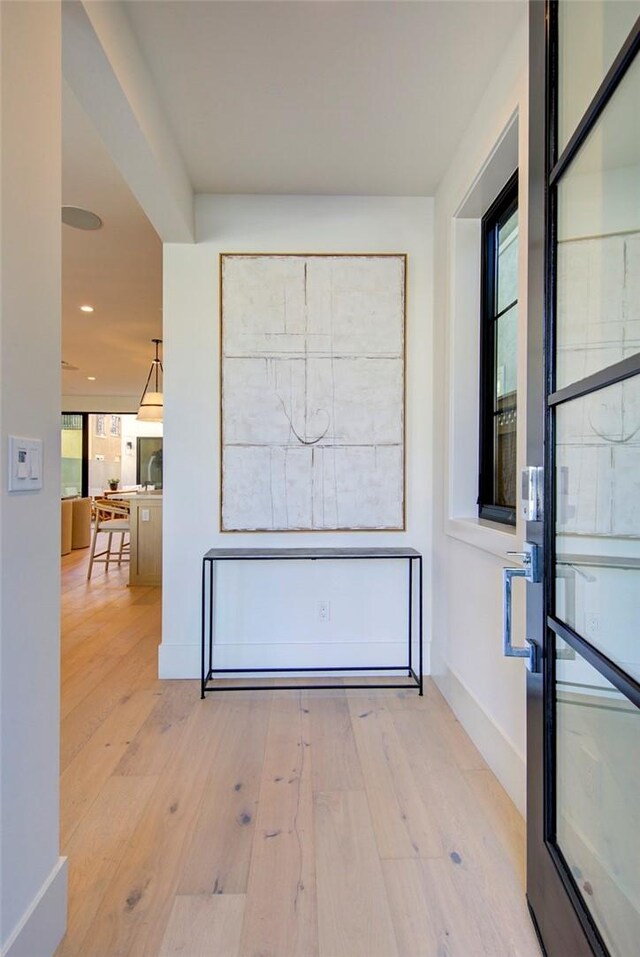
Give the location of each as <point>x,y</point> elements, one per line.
<point>324,611</point>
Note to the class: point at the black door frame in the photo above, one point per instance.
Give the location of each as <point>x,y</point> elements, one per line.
<point>562,921</point>
<point>85,450</point>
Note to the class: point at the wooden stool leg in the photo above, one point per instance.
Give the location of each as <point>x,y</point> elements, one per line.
<point>122,534</point>
<point>109,550</point>
<point>93,549</point>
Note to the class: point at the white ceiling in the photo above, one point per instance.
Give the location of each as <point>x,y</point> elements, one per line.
<point>321,97</point>
<point>116,269</point>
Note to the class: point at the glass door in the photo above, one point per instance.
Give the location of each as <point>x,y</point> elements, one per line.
<point>583,423</point>
<point>73,442</point>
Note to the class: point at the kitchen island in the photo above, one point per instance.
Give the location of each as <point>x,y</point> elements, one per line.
<point>146,538</point>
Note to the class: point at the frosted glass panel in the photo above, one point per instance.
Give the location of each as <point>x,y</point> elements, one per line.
<point>589,36</point>
<point>598,520</point>
<point>598,299</point>
<point>597,807</point>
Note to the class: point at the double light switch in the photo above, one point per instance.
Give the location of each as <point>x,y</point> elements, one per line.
<point>25,464</point>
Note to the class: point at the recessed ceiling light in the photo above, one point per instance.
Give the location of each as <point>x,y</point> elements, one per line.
<point>80,218</point>
<point>91,378</point>
<point>86,308</point>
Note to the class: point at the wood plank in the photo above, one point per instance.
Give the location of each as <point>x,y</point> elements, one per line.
<point>162,732</point>
<point>136,908</point>
<point>335,763</point>
<point>497,909</point>
<point>110,636</point>
<point>504,817</point>
<point>449,913</point>
<point>354,919</point>
<point>280,916</point>
<point>402,824</point>
<point>463,828</point>
<point>89,771</point>
<point>220,852</point>
<point>442,907</point>
<point>422,734</point>
<point>464,752</point>
<point>202,925</point>
<point>96,849</point>
<point>104,651</point>
<point>137,671</point>
<point>411,913</point>
<point>437,732</point>
<point>432,701</point>
<point>91,601</point>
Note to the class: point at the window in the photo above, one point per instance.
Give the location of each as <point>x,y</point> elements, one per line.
<point>498,358</point>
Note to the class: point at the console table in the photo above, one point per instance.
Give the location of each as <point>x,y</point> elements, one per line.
<point>214,555</point>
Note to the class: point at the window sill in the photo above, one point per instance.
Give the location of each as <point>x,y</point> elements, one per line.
<point>488,536</point>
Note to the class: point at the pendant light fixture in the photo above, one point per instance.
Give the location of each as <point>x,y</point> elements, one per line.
<point>151,403</point>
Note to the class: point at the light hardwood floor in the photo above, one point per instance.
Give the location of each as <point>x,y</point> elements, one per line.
<point>269,824</point>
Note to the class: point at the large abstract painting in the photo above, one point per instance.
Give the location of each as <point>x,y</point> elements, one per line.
<point>312,392</point>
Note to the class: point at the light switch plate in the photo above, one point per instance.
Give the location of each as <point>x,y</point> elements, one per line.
<point>25,464</point>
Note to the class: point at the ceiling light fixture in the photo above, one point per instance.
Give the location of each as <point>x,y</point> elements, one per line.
<point>152,402</point>
<point>91,378</point>
<point>80,218</point>
<point>86,308</point>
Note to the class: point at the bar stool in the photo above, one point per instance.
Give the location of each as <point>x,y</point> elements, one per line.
<point>111,517</point>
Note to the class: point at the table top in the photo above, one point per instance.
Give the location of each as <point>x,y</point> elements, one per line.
<point>249,554</point>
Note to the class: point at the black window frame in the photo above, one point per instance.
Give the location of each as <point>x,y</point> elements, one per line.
<point>498,213</point>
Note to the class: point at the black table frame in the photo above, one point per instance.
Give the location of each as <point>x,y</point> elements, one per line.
<point>214,555</point>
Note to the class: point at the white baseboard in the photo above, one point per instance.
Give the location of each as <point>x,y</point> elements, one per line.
<point>506,762</point>
<point>43,925</point>
<point>178,661</point>
<point>183,660</point>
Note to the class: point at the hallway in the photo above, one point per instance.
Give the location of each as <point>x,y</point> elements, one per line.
<point>269,824</point>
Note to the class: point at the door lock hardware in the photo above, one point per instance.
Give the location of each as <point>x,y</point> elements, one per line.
<point>532,493</point>
<point>531,572</point>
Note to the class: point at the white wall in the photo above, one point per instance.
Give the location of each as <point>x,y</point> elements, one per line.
<point>258,606</point>
<point>486,690</point>
<point>33,877</point>
<point>100,403</point>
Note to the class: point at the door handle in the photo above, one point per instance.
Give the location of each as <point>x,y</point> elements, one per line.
<point>530,572</point>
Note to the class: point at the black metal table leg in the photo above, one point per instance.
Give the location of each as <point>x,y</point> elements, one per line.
<point>410,615</point>
<point>211,611</point>
<point>421,680</point>
<point>202,637</point>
